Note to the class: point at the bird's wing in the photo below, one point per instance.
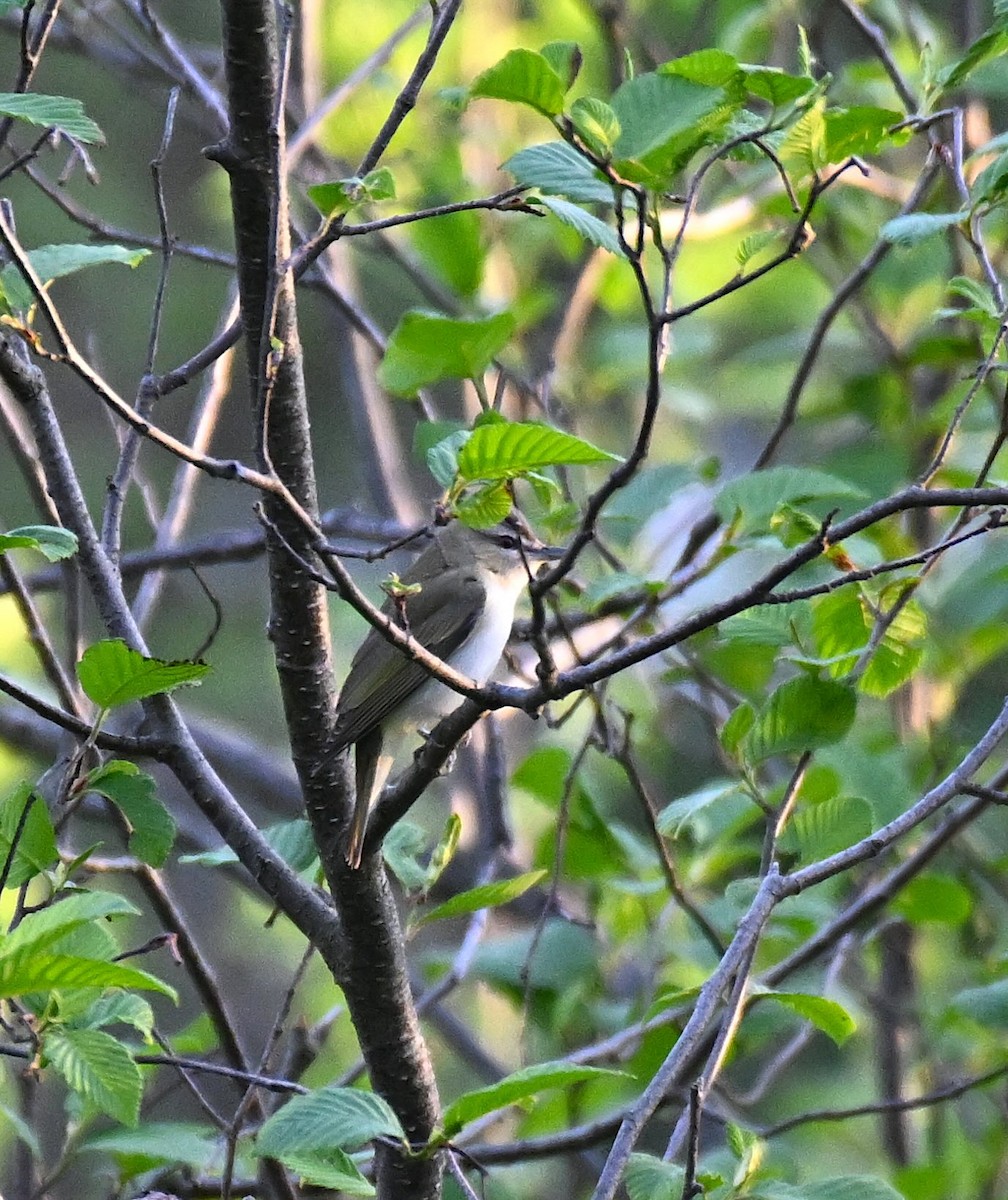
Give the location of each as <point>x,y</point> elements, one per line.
<point>381,677</point>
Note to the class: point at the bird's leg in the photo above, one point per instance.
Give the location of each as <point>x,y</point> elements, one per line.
<point>449,763</point>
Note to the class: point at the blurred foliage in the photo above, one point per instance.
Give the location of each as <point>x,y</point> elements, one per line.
<point>649,802</point>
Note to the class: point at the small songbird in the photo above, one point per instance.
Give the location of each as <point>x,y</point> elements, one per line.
<point>458,600</point>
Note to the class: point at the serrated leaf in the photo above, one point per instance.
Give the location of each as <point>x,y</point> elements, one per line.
<point>516,1088</point>
<point>152,829</point>
<point>827,1016</point>
<point>649,1178</point>
<point>802,714</point>
<point>47,925</point>
<point>56,262</point>
<point>484,507</point>
<point>556,169</point>
<point>98,1068</point>
<point>976,293</point>
<point>831,825</point>
<point>488,895</point>
<point>119,1008</point>
<point>758,495</point>
<point>331,1169</point>
<point>50,540</point>
<point>665,118</point>
<point>776,86</point>
<point>292,840</point>
<point>710,67</point>
<point>52,112</point>
<point>523,77</point>
<point>677,816</point>
<point>330,1118</point>
<point>914,228</point>
<point>750,246</point>
<point>596,123</point>
<point>426,347</point>
<point>506,450</point>
<point>442,458</point>
<point>862,130</point>
<point>588,226</point>
<point>28,971</point>
<point>112,674</point>
<point>36,846</point>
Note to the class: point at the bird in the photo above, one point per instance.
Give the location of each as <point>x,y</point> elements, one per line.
<point>458,600</point>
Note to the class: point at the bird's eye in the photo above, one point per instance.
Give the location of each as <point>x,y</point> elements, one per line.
<point>509,541</point>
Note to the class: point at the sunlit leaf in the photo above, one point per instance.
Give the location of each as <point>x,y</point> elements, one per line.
<point>111,674</point>
<point>523,77</point>
<point>52,112</point>
<point>425,348</point>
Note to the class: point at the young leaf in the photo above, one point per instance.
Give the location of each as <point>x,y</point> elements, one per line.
<point>596,124</point>
<point>112,674</point>
<point>665,119</point>
<point>99,1069</point>
<point>991,44</point>
<point>119,1008</point>
<point>52,112</point>
<point>485,507</point>
<point>332,1117</point>
<point>934,899</point>
<point>292,840</point>
<point>649,1178</point>
<point>778,88</point>
<point>523,77</point>
<point>556,169</point>
<point>589,227</point>
<point>800,715</point>
<point>425,348</point>
<point>36,843</point>
<point>341,195</point>
<point>152,829</point>
<point>506,450</point>
<point>488,895</point>
<point>914,228</point>
<point>52,541</point>
<point>861,131</point>
<point>826,1015</point>
<point>565,58</point>
<point>710,67</point>
<point>758,495</point>
<point>157,1143</point>
<point>48,925</point>
<point>516,1088</point>
<point>56,262</point>
<point>830,826</point>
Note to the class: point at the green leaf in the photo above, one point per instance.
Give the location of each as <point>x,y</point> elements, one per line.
<point>991,44</point>
<point>751,245</point>
<point>330,1118</point>
<point>52,541</point>
<point>861,131</point>
<point>426,347</point>
<point>22,1130</point>
<point>680,814</point>
<point>914,228</point>
<point>831,825</point>
<point>98,1068</point>
<point>758,495</point>
<point>978,295</point>
<point>119,1008</point>
<point>557,169</point>
<point>589,227</point>
<point>710,67</point>
<point>341,195</point>
<point>777,87</point>
<point>28,971</point>
<point>506,450</point>
<point>841,1187</point>
<point>152,829</point>
<point>48,925</point>
<point>827,1016</point>
<point>329,1168</point>
<point>488,895</point>
<point>52,112</point>
<point>292,840</point>
<point>801,715</point>
<point>987,1005</point>
<point>649,1178</point>
<point>596,124</point>
<point>842,627</point>
<point>523,77</point>
<point>565,58</point>
<point>36,847</point>
<point>515,1089</point>
<point>665,118</point>
<point>991,185</point>
<point>112,674</point>
<point>56,262</point>
<point>934,899</point>
<point>485,507</point>
<point>157,1143</point>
